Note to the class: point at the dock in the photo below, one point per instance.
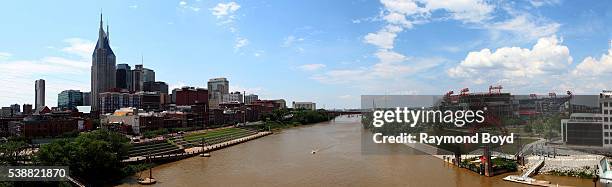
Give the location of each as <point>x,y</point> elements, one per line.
<point>525,178</point>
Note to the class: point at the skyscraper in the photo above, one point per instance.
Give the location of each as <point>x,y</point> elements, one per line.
<point>217,87</point>
<point>103,67</point>
<point>140,75</point>
<point>124,76</point>
<point>69,99</point>
<point>39,89</point>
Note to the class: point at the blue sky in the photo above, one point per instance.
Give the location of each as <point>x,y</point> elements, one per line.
<point>329,52</point>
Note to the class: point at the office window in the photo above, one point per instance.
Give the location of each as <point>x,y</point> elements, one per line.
<point>605,111</point>
<point>605,104</point>
<point>606,134</point>
<point>607,141</point>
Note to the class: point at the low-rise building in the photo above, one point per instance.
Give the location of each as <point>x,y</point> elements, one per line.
<point>138,121</point>
<point>233,97</point>
<point>304,105</point>
<point>187,96</point>
<point>248,99</point>
<point>39,126</point>
<point>583,129</point>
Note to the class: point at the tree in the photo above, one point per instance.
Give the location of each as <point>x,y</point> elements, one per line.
<point>94,156</point>
<point>9,152</point>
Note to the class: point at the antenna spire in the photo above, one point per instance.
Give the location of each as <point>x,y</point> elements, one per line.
<point>101,18</point>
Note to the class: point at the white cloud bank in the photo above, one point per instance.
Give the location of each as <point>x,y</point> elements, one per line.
<point>547,66</point>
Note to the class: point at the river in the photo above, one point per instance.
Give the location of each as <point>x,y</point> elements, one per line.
<point>285,159</point>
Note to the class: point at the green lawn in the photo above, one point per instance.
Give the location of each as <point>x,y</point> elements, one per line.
<point>213,134</point>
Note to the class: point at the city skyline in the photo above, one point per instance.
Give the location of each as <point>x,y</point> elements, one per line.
<point>350,49</point>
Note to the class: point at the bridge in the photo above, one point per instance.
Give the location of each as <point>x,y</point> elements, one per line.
<point>347,112</point>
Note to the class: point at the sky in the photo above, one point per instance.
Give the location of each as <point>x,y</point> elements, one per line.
<point>328,52</point>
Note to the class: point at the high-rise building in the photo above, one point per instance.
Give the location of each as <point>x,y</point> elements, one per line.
<point>124,76</point>
<point>140,75</point>
<point>248,99</point>
<point>15,109</point>
<point>148,75</point>
<point>157,86</point>
<point>69,99</point>
<point>86,98</point>
<point>217,87</point>
<point>39,93</point>
<point>103,67</point>
<point>27,109</point>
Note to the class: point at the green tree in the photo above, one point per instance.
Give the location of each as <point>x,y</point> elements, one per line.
<point>9,152</point>
<point>94,156</point>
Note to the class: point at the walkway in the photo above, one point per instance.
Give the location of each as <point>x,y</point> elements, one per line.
<point>196,150</point>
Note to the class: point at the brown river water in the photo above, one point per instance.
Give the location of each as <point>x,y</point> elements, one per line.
<point>286,159</point>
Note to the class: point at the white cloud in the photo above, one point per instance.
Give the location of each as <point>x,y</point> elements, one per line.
<point>473,11</point>
<point>406,7</point>
<point>311,67</point>
<point>185,5</point>
<point>133,6</point>
<point>80,47</point>
<point>539,3</point>
<point>290,40</point>
<point>60,73</point>
<point>225,10</point>
<point>391,68</point>
<point>5,55</point>
<point>524,27</point>
<point>547,59</point>
<point>240,43</point>
<point>384,38</point>
<point>592,67</point>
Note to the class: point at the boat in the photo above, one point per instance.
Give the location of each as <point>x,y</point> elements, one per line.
<point>147,181</point>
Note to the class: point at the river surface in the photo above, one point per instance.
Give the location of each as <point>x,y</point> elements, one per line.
<point>286,159</point>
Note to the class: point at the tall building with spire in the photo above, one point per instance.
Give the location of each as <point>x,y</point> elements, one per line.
<point>103,67</point>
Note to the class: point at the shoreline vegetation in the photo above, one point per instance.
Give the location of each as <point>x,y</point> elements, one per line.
<point>285,118</point>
